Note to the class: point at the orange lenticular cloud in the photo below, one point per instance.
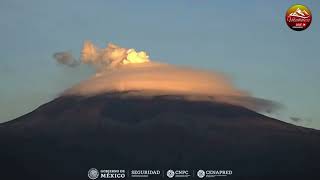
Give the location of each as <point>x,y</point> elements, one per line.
<point>121,70</point>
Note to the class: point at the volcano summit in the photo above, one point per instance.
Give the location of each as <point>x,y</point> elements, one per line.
<point>144,115</point>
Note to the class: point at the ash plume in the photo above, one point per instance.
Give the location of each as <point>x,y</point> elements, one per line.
<point>66,58</point>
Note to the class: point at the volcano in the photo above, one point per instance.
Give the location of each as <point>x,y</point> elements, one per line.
<point>66,137</point>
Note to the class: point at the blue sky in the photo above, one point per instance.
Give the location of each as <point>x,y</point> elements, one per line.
<point>249,41</point>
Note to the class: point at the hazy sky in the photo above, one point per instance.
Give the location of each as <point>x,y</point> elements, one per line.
<point>249,41</point>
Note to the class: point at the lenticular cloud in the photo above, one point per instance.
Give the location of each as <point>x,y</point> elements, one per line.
<point>127,70</point>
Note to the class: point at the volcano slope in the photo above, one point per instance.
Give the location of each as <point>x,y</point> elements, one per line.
<point>65,137</point>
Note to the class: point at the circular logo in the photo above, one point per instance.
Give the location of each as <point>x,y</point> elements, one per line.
<point>170,173</point>
<point>93,173</point>
<point>298,17</point>
<point>201,173</point>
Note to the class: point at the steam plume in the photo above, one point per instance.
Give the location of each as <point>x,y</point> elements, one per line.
<point>111,56</point>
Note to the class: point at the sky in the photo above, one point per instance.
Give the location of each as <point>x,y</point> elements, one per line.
<point>248,41</point>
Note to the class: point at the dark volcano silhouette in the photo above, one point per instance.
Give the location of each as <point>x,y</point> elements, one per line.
<point>66,137</point>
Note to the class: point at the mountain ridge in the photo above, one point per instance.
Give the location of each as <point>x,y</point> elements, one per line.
<point>72,134</point>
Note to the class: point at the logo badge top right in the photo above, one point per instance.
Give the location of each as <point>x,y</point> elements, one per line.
<point>298,17</point>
